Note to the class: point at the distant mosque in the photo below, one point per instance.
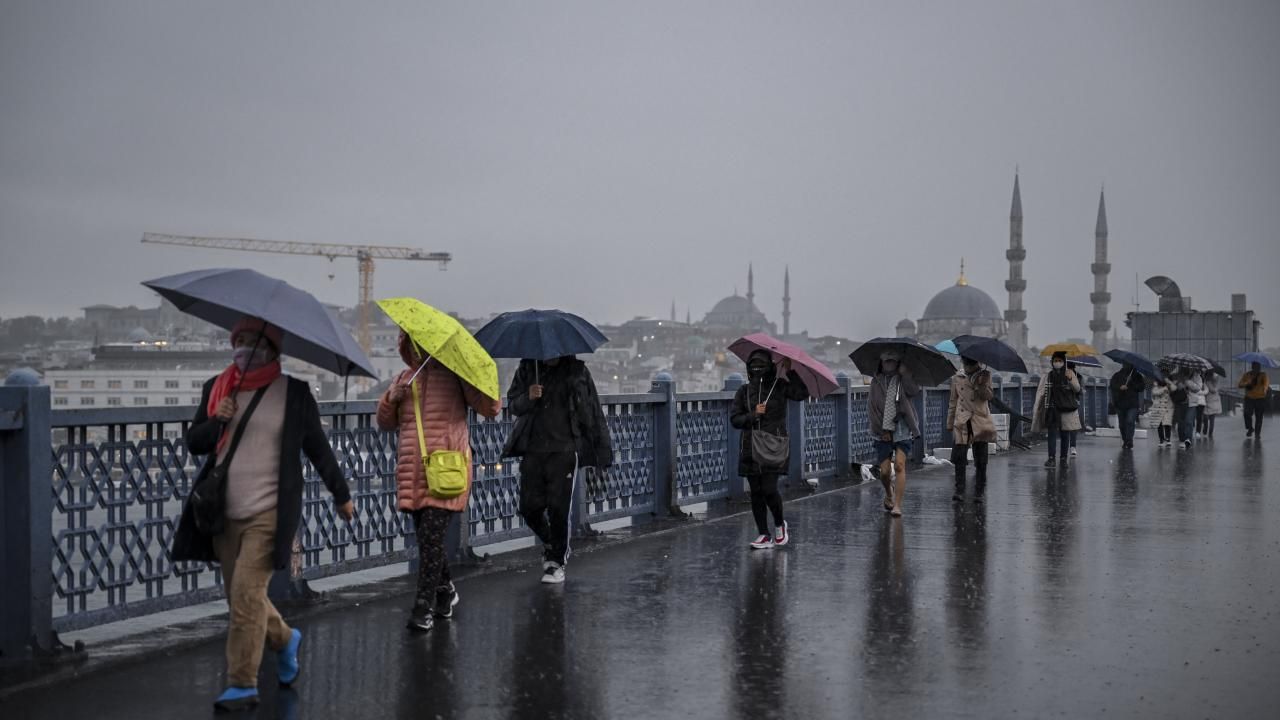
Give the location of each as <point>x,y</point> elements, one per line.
<point>963,309</point>
<point>738,314</point>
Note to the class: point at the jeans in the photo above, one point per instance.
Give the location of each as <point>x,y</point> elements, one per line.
<point>1057,436</point>
<point>1253,414</point>
<point>1184,416</point>
<point>1128,422</point>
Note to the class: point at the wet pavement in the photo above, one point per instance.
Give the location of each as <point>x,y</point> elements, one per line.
<point>1131,585</point>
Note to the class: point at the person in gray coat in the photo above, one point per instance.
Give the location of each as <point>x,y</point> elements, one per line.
<point>893,425</point>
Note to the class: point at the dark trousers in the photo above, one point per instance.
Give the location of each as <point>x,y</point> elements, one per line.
<point>1165,432</point>
<point>546,499</point>
<point>960,458</point>
<point>1201,426</point>
<point>430,525</point>
<point>1253,414</point>
<point>764,498</point>
<point>1184,416</point>
<point>1057,435</point>
<point>1128,423</point>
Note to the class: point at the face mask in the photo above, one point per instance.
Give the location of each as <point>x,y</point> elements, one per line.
<point>891,366</point>
<point>1059,365</point>
<point>247,359</point>
<point>758,368</point>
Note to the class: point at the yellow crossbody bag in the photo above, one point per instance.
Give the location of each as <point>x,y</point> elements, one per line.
<point>446,470</point>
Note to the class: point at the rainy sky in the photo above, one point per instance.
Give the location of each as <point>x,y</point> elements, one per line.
<point>611,157</point>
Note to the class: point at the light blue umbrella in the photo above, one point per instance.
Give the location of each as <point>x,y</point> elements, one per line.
<point>1253,357</point>
<point>948,346</point>
<point>311,332</point>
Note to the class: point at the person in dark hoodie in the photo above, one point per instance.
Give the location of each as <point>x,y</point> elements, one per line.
<point>761,404</point>
<point>1127,386</point>
<point>561,428</point>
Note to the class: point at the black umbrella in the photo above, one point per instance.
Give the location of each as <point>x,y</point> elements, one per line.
<point>990,352</point>
<point>927,365</point>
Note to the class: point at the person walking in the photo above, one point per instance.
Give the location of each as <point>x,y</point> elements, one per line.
<point>1127,386</point>
<point>1075,436</point>
<point>1212,404</point>
<point>893,425</point>
<point>427,404</point>
<point>1160,416</point>
<point>971,425</point>
<point>1056,406</point>
<point>561,428</point>
<point>256,424</point>
<point>1185,384</point>
<point>1195,406</point>
<point>760,405</point>
<point>1255,384</point>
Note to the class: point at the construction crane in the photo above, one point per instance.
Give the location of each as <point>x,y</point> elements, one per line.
<point>364,255</point>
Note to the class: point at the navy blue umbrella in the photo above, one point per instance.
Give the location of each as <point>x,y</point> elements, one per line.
<point>1139,363</point>
<point>990,352</point>
<point>926,364</point>
<point>539,335</point>
<point>311,331</point>
<point>1253,357</point>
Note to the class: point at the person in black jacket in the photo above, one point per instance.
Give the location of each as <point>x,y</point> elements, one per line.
<point>761,404</point>
<point>1127,386</point>
<point>561,428</point>
<point>263,494</point>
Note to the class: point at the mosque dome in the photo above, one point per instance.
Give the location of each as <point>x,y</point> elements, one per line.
<point>962,301</point>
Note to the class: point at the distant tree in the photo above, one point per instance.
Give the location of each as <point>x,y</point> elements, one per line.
<point>26,330</point>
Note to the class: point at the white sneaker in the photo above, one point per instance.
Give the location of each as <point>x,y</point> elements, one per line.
<point>782,535</point>
<point>763,542</point>
<point>1073,452</point>
<point>554,575</point>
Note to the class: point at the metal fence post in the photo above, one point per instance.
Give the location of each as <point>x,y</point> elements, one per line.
<point>734,443</point>
<point>665,450</point>
<point>795,431</point>
<point>844,453</point>
<point>26,596</point>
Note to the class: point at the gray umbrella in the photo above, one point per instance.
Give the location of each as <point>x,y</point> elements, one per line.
<point>311,331</point>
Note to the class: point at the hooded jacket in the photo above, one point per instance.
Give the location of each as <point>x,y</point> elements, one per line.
<point>587,424</point>
<point>444,399</point>
<point>755,391</point>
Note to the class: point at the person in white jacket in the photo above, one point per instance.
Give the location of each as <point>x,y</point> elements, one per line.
<point>1195,403</point>
<point>1160,416</point>
<point>1212,404</point>
<point>1185,384</point>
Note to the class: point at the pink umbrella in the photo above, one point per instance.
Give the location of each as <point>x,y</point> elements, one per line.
<point>817,377</point>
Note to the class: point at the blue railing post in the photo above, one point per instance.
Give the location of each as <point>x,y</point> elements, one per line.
<point>844,453</point>
<point>665,449</point>
<point>733,444</point>
<point>26,552</point>
<point>795,431</point>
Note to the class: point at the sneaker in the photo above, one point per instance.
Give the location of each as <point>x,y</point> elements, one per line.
<point>1248,434</point>
<point>234,699</point>
<point>1073,452</point>
<point>553,575</point>
<point>764,542</point>
<point>446,598</point>
<point>1186,445</point>
<point>1052,461</point>
<point>420,619</point>
<point>287,667</point>
<point>782,535</point>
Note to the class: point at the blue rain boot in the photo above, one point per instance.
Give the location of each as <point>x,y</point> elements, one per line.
<point>287,665</point>
<point>233,699</point>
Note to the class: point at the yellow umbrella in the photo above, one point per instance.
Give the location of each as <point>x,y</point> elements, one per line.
<point>1071,349</point>
<point>444,339</point>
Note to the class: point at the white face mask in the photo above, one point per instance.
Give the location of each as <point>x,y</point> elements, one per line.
<point>1058,365</point>
<point>246,358</point>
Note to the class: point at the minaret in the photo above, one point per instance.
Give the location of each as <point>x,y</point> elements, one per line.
<point>1101,268</point>
<point>751,286</point>
<point>673,311</point>
<point>1015,317</point>
<point>786,302</point>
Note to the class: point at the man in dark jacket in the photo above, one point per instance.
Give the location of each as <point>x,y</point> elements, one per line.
<point>761,404</point>
<point>561,428</point>
<point>1126,397</point>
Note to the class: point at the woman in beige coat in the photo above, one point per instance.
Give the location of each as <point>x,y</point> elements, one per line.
<point>969,420</point>
<point>1057,402</point>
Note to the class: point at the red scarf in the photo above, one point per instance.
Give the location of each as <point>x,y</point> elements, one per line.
<point>227,382</point>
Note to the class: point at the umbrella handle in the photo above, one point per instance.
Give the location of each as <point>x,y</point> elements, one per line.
<point>415,372</point>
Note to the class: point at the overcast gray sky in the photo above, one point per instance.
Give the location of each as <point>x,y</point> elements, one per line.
<point>608,157</point>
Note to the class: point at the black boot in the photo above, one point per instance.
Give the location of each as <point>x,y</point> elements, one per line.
<point>980,486</point>
<point>958,496</point>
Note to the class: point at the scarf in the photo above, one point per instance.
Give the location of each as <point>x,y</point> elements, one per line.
<point>231,379</point>
<point>890,423</point>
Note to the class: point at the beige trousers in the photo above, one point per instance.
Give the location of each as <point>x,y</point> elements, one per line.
<point>245,549</point>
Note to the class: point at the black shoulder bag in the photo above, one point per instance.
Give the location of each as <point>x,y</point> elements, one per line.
<point>208,499</point>
<point>771,452</point>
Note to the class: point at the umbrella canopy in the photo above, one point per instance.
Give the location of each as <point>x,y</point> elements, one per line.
<point>948,347</point>
<point>990,352</point>
<point>1185,361</point>
<point>1073,350</point>
<point>1139,363</point>
<point>1085,361</point>
<point>311,331</point>
<point>818,378</point>
<point>1253,357</point>
<point>1221,371</point>
<point>926,364</point>
<point>444,338</point>
<point>539,335</point>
